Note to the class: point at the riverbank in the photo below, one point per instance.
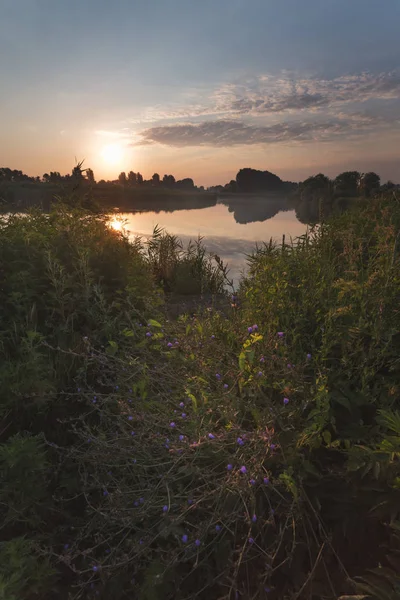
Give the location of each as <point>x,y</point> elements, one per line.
<point>243,449</point>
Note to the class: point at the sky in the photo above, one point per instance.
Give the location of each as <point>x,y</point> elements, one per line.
<point>200,88</point>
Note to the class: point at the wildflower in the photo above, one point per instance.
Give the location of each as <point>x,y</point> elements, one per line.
<point>213,337</point>
<point>251,540</point>
<point>272,446</point>
<point>260,373</point>
<point>169,345</point>
<point>105,493</point>
<point>211,436</point>
<point>286,401</point>
<point>254,518</point>
<point>218,376</point>
<point>280,334</point>
<point>252,481</point>
<point>149,334</point>
<point>183,415</point>
<point>66,546</point>
<point>130,418</point>
<point>136,503</point>
<point>243,469</point>
<point>134,460</point>
<point>255,327</point>
<point>140,541</point>
<point>181,438</point>
<point>197,543</point>
<point>308,356</point>
<point>141,500</point>
<point>229,467</point>
<point>95,568</point>
<point>217,528</point>
<point>167,446</point>
<point>172,424</point>
<point>289,366</point>
<point>108,551</point>
<point>184,538</point>
<point>79,389</point>
<point>240,441</point>
<point>250,329</point>
<point>267,589</point>
<point>117,387</point>
<point>133,433</point>
<point>226,386</point>
<point>190,501</point>
<point>266,480</point>
<point>262,359</point>
<point>94,400</point>
<point>165,508</point>
<point>182,404</point>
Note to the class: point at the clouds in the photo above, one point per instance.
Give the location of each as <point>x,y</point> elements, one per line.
<point>225,133</point>
<point>270,109</point>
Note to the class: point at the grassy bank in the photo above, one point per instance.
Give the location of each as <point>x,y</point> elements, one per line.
<point>250,453</point>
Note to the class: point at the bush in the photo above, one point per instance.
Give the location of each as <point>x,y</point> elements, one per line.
<point>248,454</point>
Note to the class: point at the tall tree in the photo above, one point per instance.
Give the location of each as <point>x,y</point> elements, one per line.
<point>139,178</point>
<point>347,184</point>
<point>155,179</point>
<point>132,178</point>
<point>370,183</point>
<point>122,178</point>
<point>168,181</point>
<point>90,176</point>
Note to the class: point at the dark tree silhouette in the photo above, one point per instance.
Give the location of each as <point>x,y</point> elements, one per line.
<point>155,179</point>
<point>139,178</point>
<point>370,183</point>
<point>90,176</point>
<point>122,178</point>
<point>252,180</point>
<point>168,181</point>
<point>347,184</point>
<point>132,178</point>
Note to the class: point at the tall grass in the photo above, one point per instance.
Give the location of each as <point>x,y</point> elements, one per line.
<point>250,454</point>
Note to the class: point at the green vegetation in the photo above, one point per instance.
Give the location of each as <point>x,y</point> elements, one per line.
<point>245,453</point>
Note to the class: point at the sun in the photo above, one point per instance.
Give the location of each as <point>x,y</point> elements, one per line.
<point>112,154</point>
<point>115,224</point>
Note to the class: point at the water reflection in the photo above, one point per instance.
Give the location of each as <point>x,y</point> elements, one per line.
<point>231,228</point>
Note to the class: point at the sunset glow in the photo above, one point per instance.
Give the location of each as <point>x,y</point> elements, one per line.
<point>113,154</point>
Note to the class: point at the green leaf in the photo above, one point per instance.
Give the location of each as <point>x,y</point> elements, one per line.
<point>326,436</point>
<point>154,323</point>
<point>193,399</point>
<point>242,361</point>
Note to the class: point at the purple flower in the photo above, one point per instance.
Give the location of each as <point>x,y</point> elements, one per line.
<point>280,334</point>
<point>213,337</point>
<point>250,329</point>
<point>133,433</point>
<point>229,467</point>
<point>79,389</point>
<point>255,327</point>
<point>165,508</point>
<point>272,446</point>
<point>254,518</point>
<point>211,436</point>
<point>130,418</point>
<point>197,543</point>
<point>260,374</point>
<point>167,446</point>
<point>105,493</point>
<point>251,541</point>
<point>243,469</point>
<point>136,503</point>
<point>141,500</point>
<point>217,528</point>
<point>226,386</point>
<point>218,376</point>
<point>181,438</point>
<point>240,441</point>
<point>184,538</point>
<point>172,424</point>
<point>169,345</point>
<point>262,359</point>
<point>181,404</point>
<point>66,546</point>
<point>190,501</point>
<point>252,481</point>
<point>149,334</point>
<point>267,589</point>
<point>289,366</point>
<point>286,401</point>
<point>266,480</point>
<point>308,356</point>
<point>95,568</point>
<point>94,400</point>
<point>183,415</point>
<point>117,387</point>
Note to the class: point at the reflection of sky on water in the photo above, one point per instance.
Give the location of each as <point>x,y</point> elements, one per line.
<point>222,234</point>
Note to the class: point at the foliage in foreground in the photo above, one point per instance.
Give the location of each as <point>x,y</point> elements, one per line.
<point>252,454</point>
